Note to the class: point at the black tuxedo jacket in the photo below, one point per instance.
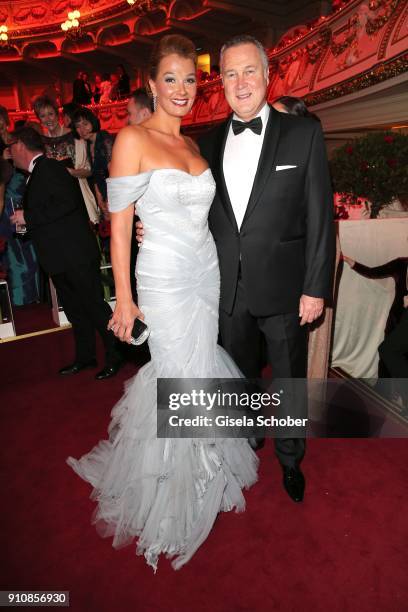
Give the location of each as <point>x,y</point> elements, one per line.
<point>56,218</point>
<point>286,243</point>
<point>81,92</point>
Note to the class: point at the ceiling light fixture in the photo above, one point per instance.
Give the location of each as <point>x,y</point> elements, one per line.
<point>3,35</point>
<point>71,26</point>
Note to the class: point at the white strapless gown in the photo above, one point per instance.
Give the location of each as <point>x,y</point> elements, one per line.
<point>168,492</point>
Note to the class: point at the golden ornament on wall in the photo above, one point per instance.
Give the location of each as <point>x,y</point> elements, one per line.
<point>22,14</point>
<point>38,12</point>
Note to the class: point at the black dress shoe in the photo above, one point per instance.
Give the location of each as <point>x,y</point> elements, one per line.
<point>294,483</point>
<point>109,371</point>
<point>77,366</point>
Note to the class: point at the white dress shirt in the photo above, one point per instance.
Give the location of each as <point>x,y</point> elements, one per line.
<point>31,164</point>
<point>241,158</point>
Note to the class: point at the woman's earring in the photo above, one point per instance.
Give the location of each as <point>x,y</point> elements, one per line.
<point>154,103</point>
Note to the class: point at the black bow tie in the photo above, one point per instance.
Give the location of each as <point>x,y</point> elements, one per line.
<point>240,126</point>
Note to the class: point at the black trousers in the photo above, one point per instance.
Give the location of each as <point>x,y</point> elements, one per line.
<point>80,293</point>
<point>394,354</point>
<point>243,335</point>
<point>394,349</point>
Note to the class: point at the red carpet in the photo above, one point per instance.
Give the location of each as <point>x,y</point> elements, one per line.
<point>344,548</point>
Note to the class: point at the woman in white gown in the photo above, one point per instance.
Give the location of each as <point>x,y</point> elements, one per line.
<point>166,493</point>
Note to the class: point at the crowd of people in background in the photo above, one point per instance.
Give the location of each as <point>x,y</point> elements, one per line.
<point>106,87</point>
<point>203,76</point>
<point>74,138</point>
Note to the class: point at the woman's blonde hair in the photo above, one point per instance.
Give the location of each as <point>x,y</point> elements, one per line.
<point>172,43</point>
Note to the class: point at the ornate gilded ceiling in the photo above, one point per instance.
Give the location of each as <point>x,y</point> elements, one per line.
<point>34,27</point>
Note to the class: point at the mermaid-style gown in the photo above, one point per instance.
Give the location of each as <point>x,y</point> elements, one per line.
<point>168,492</point>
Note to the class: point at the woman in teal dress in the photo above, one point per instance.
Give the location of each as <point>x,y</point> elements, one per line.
<point>18,259</point>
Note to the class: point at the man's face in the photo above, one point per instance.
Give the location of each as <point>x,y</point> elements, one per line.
<point>245,80</point>
<point>18,154</point>
<point>136,114</point>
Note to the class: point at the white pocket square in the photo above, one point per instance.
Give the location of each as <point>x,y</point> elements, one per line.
<point>284,167</point>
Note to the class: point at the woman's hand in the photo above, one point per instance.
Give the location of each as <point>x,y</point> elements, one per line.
<point>348,260</point>
<point>79,172</point>
<point>123,319</point>
<point>139,232</point>
<point>17,217</point>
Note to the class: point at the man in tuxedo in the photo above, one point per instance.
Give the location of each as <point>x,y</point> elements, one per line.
<point>81,89</point>
<point>87,89</point>
<point>272,222</point>
<point>66,247</point>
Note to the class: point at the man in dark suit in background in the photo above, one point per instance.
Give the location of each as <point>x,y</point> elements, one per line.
<point>139,107</point>
<point>81,89</point>
<point>66,248</point>
<point>272,222</point>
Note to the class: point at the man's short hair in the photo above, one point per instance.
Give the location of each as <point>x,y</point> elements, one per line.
<point>295,106</point>
<point>142,98</point>
<point>245,39</point>
<point>30,138</point>
<point>88,115</point>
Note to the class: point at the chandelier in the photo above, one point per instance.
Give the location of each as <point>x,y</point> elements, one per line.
<point>4,36</point>
<point>71,26</point>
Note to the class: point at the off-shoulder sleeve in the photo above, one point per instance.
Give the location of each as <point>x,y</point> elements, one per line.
<point>126,190</point>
